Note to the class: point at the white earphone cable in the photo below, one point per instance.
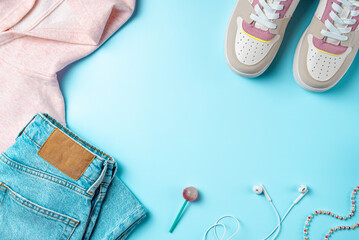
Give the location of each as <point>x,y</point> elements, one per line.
<point>228,216</point>
<point>279,221</point>
<point>214,226</point>
<point>284,217</point>
<point>258,190</point>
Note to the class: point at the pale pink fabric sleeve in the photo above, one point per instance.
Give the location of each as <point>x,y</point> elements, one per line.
<point>38,38</point>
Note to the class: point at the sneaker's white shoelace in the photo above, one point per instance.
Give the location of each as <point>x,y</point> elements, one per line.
<point>340,23</point>
<point>265,15</point>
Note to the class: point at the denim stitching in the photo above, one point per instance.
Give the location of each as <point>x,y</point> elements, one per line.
<point>44,144</point>
<point>64,230</point>
<point>31,139</point>
<point>88,178</point>
<point>40,173</point>
<point>3,199</point>
<point>93,209</point>
<point>76,137</point>
<point>55,217</point>
<point>43,175</point>
<point>47,177</point>
<point>134,213</point>
<point>73,229</point>
<point>48,138</point>
<point>41,210</point>
<point>130,228</point>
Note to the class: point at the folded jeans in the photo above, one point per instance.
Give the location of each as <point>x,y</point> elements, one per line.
<point>54,185</point>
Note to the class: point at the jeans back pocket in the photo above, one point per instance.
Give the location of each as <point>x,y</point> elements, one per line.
<point>22,219</point>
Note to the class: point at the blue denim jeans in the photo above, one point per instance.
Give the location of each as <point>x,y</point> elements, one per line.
<point>53,185</point>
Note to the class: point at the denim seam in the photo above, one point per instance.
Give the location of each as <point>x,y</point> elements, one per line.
<point>73,229</point>
<point>88,178</point>
<point>30,170</point>
<point>44,144</point>
<point>48,176</point>
<point>3,198</point>
<point>77,138</point>
<point>45,212</point>
<point>64,230</point>
<point>134,224</point>
<point>92,211</point>
<point>32,139</point>
<point>37,144</point>
<point>132,214</point>
<point>57,218</point>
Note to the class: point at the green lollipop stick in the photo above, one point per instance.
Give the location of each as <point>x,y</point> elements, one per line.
<point>178,216</point>
<point>190,194</point>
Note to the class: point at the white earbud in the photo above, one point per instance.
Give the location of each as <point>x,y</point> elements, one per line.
<point>303,189</point>
<point>259,189</point>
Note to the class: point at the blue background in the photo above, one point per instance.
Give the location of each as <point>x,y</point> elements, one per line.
<point>161,99</point>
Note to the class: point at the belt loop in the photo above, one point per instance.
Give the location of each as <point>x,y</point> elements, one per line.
<point>114,171</point>
<point>94,186</point>
<point>26,126</point>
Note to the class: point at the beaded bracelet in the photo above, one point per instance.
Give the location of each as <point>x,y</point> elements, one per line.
<point>310,218</point>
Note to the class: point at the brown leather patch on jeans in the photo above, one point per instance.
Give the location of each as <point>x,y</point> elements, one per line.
<point>65,154</point>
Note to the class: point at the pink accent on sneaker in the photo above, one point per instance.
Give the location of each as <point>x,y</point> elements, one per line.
<point>259,33</point>
<point>355,25</point>
<point>329,47</point>
<point>256,32</point>
<point>285,9</point>
<point>255,2</point>
<point>328,9</point>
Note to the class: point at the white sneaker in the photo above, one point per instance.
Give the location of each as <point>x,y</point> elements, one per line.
<point>255,33</point>
<point>328,46</point>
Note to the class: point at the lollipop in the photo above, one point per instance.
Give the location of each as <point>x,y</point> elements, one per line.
<point>190,194</point>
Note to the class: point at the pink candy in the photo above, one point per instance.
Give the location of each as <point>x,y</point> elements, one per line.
<point>190,194</point>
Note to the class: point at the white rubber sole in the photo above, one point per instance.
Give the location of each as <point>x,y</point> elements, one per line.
<point>246,75</point>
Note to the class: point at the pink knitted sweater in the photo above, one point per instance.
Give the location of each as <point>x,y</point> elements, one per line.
<point>38,38</point>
